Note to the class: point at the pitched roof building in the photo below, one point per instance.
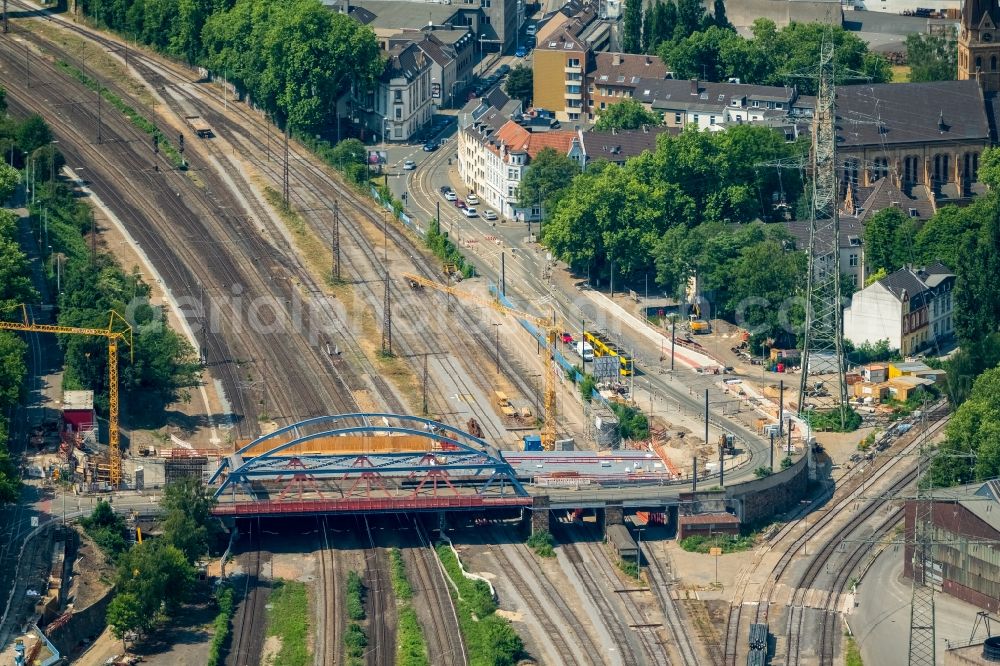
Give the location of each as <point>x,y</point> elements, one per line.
<point>911,308</point>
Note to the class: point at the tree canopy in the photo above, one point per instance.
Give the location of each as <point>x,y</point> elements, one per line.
<point>546,179</point>
<point>293,58</point>
<point>187,523</point>
<point>971,451</point>
<point>932,57</point>
<point>628,114</point>
<point>520,84</point>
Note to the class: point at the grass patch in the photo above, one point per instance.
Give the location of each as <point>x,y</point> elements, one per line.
<point>542,543</point>
<point>400,583</point>
<point>355,596</point>
<point>900,73</point>
<point>288,619</point>
<point>411,649</point>
<point>444,249</point>
<point>727,542</point>
<point>221,624</point>
<point>312,249</point>
<point>829,420</point>
<point>630,568</point>
<point>489,638</point>
<point>355,640</point>
<point>137,119</point>
<point>852,655</point>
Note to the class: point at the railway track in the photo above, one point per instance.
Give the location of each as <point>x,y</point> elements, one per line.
<point>444,642</point>
<point>328,634</point>
<point>548,606</point>
<point>248,632</point>
<point>382,602</point>
<point>612,620</point>
<point>660,581</point>
<point>192,232</point>
<point>840,504</point>
<point>310,193</point>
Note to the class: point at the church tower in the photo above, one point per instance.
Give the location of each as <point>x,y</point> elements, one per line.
<point>979,43</point>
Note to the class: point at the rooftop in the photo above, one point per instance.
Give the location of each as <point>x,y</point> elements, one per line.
<point>627,68</point>
<point>619,146</point>
<point>399,14</point>
<point>73,400</point>
<point>851,232</point>
<point>894,113</point>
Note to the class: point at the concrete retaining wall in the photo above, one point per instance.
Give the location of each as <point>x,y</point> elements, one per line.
<point>761,499</point>
<point>85,623</point>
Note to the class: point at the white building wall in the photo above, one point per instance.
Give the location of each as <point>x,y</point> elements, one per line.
<point>874,314</point>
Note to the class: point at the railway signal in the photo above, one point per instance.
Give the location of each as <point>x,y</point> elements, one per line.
<point>156,144</point>
<point>180,141</point>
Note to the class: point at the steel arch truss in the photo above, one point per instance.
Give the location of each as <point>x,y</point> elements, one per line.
<point>454,464</point>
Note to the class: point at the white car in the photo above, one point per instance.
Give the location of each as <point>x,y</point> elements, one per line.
<point>489,215</point>
<point>409,165</point>
<point>470,212</point>
<point>472,199</point>
<point>451,196</point>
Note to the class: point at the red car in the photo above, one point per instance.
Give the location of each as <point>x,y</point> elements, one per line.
<point>567,339</point>
<point>459,203</point>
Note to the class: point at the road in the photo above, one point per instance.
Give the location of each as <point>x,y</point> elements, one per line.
<point>532,275</point>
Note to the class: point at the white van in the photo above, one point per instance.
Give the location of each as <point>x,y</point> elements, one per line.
<point>584,351</point>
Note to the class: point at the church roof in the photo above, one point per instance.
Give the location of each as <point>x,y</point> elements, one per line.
<point>974,10</point>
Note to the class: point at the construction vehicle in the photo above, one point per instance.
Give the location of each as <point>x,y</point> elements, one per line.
<point>699,326</point>
<point>727,444</point>
<point>552,332</point>
<point>118,330</point>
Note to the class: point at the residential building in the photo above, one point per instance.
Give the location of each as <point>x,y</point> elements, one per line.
<point>912,308</point>
<point>575,82</point>
<point>494,153</point>
<point>863,202</point>
<point>400,103</point>
<point>615,76</point>
<point>930,135</point>
<point>979,44</point>
<point>965,526</point>
<point>713,106</point>
<point>618,146</point>
<point>852,251</point>
<point>452,54</point>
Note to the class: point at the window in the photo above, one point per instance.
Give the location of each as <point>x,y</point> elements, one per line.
<point>979,62</point>
<point>573,89</point>
<point>604,105</point>
<point>574,116</point>
<point>572,62</point>
<point>576,76</point>
<point>398,133</point>
<point>754,104</point>
<point>397,96</point>
<point>590,102</point>
<point>711,120</point>
<point>695,118</point>
<point>993,63</point>
<point>487,20</point>
<point>399,113</point>
<point>678,119</point>
<point>777,105</point>
<point>853,259</point>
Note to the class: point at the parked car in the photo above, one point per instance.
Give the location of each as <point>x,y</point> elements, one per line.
<point>520,52</point>
<point>409,165</point>
<point>503,69</point>
<point>470,212</point>
<point>451,196</point>
<point>489,215</point>
<point>567,338</point>
<point>445,189</point>
<point>430,146</point>
<point>459,203</point>
<point>472,199</point>
<point>531,29</point>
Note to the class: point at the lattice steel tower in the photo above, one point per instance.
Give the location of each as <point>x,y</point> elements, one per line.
<point>823,347</point>
<point>922,590</point>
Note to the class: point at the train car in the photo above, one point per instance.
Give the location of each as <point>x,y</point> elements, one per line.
<point>604,347</point>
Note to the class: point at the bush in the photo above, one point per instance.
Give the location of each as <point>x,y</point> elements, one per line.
<point>630,568</point>
<point>786,462</point>
<point>762,472</point>
<point>727,542</point>
<point>400,583</point>
<point>221,625</point>
<point>542,543</point>
<point>445,250</point>
<point>355,640</point>
<point>411,649</point>
<point>632,424</point>
<point>829,421</point>
<point>587,386</point>
<point>355,596</point>
<point>107,529</point>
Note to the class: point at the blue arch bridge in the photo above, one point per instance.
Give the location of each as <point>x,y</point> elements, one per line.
<point>365,463</point>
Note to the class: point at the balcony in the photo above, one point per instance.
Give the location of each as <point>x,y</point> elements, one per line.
<point>573,70</point>
<point>574,95</point>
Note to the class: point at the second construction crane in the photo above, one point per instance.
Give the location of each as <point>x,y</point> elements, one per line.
<point>548,435</point>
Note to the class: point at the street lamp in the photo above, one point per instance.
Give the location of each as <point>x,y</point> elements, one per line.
<point>497,350</point>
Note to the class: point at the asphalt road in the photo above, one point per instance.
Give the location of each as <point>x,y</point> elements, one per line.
<point>881,621</point>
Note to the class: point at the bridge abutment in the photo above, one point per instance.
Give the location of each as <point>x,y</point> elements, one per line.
<point>540,515</point>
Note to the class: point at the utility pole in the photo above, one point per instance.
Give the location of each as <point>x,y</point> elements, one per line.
<point>387,321</point>
<point>823,346</point>
<point>503,273</point>
<point>284,174</point>
<point>93,239</point>
<point>673,340</point>
<point>706,421</point>
<point>423,386</point>
<point>496,328</point>
<point>6,25</point>
<point>100,139</point>
<point>922,639</point>
<point>336,240</point>
<point>27,61</point>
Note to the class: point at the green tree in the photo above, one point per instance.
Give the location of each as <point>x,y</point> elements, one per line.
<point>625,115</point>
<point>631,35</point>
<point>663,25</point>
<point>520,84</point>
<point>3,100</point>
<point>691,17</point>
<point>977,293</point>
<point>157,575</point>
<point>699,54</point>
<point>719,17</point>
<point>125,616</point>
<point>33,133</point>
<point>547,177</point>
<point>9,178</point>
<point>880,239</point>
<point>932,57</point>
<point>972,449</point>
<point>188,524</point>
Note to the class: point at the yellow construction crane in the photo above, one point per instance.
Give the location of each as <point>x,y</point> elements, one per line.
<point>118,329</point>
<point>551,336</point>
